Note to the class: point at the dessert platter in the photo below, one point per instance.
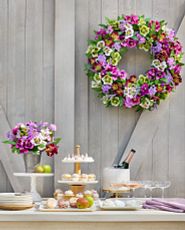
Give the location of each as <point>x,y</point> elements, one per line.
<point>69,202</point>
<point>121,204</point>
<point>78,180</point>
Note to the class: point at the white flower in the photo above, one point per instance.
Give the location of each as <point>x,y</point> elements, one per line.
<point>128,26</point>
<point>156,63</point>
<point>129,33</point>
<point>105,100</point>
<point>130,91</point>
<point>162,66</point>
<point>107,51</point>
<point>37,140</point>
<point>100,44</point>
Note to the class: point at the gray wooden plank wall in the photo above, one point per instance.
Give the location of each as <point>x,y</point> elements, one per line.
<point>32,84</point>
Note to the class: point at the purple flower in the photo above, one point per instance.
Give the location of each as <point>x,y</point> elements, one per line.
<point>169,77</point>
<point>152,90</point>
<point>117,46</point>
<point>157,48</point>
<point>141,38</point>
<point>123,74</point>
<point>177,69</point>
<point>53,127</point>
<point>144,89</point>
<point>122,25</point>
<point>109,30</point>
<point>105,88</point>
<point>129,103</point>
<point>102,59</point>
<point>28,144</point>
<point>11,136</point>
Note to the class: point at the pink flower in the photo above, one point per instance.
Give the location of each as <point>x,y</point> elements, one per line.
<point>132,19</point>
<point>156,24</point>
<point>131,43</point>
<point>177,69</point>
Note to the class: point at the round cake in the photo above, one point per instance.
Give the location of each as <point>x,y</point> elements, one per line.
<point>114,176</point>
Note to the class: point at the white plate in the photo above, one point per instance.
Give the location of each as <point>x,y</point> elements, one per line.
<point>77,161</point>
<point>126,208</point>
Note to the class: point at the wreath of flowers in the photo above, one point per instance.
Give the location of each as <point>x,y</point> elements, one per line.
<point>114,85</point>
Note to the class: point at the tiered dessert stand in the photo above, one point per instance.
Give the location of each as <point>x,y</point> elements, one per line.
<point>77,186</point>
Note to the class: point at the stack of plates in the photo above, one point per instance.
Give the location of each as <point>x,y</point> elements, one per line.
<point>15,201</point>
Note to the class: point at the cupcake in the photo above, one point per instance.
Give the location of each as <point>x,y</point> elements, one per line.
<point>79,195</point>
<point>75,177</point>
<point>84,177</point>
<point>57,193</point>
<point>66,177</point>
<point>95,194</point>
<point>91,177</point>
<point>87,193</point>
<point>68,194</point>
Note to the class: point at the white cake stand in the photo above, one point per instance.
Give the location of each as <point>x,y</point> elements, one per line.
<point>33,183</point>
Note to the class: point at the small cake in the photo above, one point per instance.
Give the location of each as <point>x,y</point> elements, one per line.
<point>73,202</point>
<point>108,203</point>
<point>66,177</point>
<point>91,177</point>
<point>58,193</point>
<point>87,193</point>
<point>75,177</point>
<point>68,194</point>
<point>95,194</point>
<point>63,203</point>
<point>79,195</point>
<point>51,203</point>
<point>84,177</point>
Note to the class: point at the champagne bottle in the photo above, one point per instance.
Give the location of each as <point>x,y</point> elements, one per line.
<point>125,164</point>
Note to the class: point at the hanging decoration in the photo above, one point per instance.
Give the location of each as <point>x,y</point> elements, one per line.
<point>113,84</point>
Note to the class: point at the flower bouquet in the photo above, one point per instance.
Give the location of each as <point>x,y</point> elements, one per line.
<point>31,139</point>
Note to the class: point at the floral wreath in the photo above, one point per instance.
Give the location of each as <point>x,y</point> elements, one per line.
<point>115,86</point>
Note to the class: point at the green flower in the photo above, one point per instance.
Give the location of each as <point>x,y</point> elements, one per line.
<point>145,46</point>
<point>105,100</point>
<point>115,101</point>
<point>114,24</point>
<point>146,103</point>
<point>144,30</point>
<point>100,44</point>
<point>95,85</point>
<point>89,49</point>
<point>114,62</point>
<point>94,52</point>
<point>97,78</point>
<point>116,55</point>
<point>107,80</point>
<point>141,21</point>
<point>142,79</point>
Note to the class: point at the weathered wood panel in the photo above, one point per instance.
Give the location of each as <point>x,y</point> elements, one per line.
<point>36,34</point>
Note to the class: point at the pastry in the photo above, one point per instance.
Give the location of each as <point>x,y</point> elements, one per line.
<point>84,177</point>
<point>75,177</point>
<point>73,202</point>
<point>63,203</point>
<point>68,194</point>
<point>57,193</point>
<point>87,193</point>
<point>51,203</point>
<point>91,177</point>
<point>66,177</point>
<point>79,195</point>
<point>95,194</point>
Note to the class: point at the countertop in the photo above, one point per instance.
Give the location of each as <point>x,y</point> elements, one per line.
<point>96,216</point>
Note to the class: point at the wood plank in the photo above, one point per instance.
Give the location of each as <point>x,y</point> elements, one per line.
<point>5,185</point>
<point>95,105</point>
<point>64,77</point>
<point>48,26</point>
<point>109,115</point>
<point>11,162</point>
<point>81,80</point>
<point>176,132</point>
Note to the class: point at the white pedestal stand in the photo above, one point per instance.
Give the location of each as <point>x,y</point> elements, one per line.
<point>33,183</point>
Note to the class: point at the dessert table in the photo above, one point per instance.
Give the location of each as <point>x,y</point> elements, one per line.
<point>117,220</point>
